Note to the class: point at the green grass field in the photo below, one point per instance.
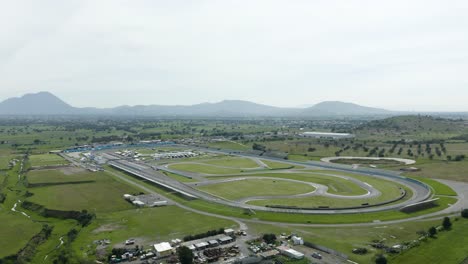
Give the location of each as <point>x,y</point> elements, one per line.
<point>455,171</point>
<point>179,177</point>
<point>46,160</point>
<point>69,175</point>
<point>232,145</point>
<point>280,165</point>
<point>447,247</point>
<point>4,160</point>
<point>233,162</point>
<point>336,185</point>
<point>103,195</point>
<point>203,168</point>
<point>148,224</point>
<point>237,189</point>
<point>15,232</point>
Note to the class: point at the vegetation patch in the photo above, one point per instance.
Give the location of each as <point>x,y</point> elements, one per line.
<point>43,160</point>
<point>236,189</point>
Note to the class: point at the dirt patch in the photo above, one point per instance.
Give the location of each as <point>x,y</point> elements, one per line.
<point>69,170</point>
<point>107,228</point>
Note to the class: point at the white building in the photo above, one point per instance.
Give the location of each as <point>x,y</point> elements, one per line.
<point>326,135</point>
<point>289,252</point>
<point>163,249</point>
<point>297,240</point>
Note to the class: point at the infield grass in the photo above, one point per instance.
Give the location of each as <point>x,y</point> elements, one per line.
<point>237,189</point>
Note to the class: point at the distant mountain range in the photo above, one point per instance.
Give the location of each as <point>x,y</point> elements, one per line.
<point>45,103</point>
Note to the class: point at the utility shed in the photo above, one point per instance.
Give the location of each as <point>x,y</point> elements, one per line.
<point>163,249</point>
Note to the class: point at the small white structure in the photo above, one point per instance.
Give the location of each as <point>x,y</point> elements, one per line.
<point>228,232</point>
<point>289,252</point>
<point>192,247</point>
<point>163,249</point>
<point>158,203</point>
<point>297,240</point>
<point>138,203</point>
<point>326,135</point>
<point>128,196</point>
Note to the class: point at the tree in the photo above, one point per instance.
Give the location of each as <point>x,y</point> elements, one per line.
<point>185,255</point>
<point>269,238</point>
<point>432,231</point>
<point>381,259</point>
<point>464,213</point>
<point>447,224</point>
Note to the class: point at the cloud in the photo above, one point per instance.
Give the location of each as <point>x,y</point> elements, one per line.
<point>378,53</point>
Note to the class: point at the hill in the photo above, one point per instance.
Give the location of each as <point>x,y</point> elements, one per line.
<point>45,103</point>
<point>343,108</point>
<point>42,103</point>
<point>414,126</point>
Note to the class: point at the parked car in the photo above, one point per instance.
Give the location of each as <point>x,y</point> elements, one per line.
<point>316,255</point>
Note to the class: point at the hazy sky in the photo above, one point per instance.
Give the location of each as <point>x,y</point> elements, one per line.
<point>408,55</point>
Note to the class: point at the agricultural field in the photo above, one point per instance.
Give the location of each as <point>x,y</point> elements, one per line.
<point>5,160</point>
<point>236,189</point>
<point>42,160</point>
<point>16,231</point>
<point>232,145</point>
<point>96,192</point>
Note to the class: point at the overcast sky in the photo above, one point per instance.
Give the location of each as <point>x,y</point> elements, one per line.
<point>406,55</point>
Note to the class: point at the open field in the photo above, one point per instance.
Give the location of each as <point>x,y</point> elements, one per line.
<point>336,185</point>
<point>15,232</point>
<point>203,168</point>
<point>102,195</point>
<point>389,191</point>
<point>148,224</point>
<point>232,145</point>
<point>65,175</point>
<point>232,162</point>
<point>178,177</point>
<point>447,247</point>
<point>455,171</point>
<point>237,189</point>
<point>4,160</point>
<point>279,165</point>
<point>46,160</point>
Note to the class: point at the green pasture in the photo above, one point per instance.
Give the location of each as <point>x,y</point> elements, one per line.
<point>448,247</point>
<point>231,145</point>
<point>46,160</point>
<point>103,195</point>
<point>16,230</point>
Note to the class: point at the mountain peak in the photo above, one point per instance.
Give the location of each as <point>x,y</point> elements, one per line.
<point>41,103</point>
